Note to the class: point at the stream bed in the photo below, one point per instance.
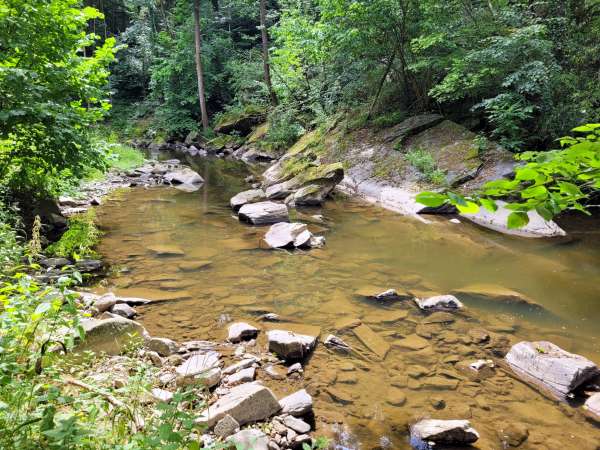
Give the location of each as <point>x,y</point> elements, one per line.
<point>216,268</point>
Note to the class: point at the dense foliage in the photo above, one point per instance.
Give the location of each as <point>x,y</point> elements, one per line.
<point>549,182</point>
<point>53,79</point>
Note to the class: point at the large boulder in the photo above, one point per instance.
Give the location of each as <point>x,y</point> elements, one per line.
<point>162,346</point>
<point>245,197</point>
<point>289,345</point>
<point>246,403</point>
<point>264,213</point>
<point>442,432</point>
<point>538,227</point>
<point>112,336</point>
<point>310,187</point>
<point>549,367</point>
<point>184,176</point>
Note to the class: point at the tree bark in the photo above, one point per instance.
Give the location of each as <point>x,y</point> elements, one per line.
<point>199,73</point>
<point>265,51</point>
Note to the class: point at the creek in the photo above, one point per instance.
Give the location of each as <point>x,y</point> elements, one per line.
<point>216,268</point>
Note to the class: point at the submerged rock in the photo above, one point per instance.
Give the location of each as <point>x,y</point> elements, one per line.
<point>549,367</point>
<point>294,235</point>
<point>495,293</point>
<point>289,345</point>
<point>246,197</point>
<point>382,295</point>
<point>372,340</point>
<point>246,403</point>
<point>439,303</point>
<point>264,213</point>
<point>443,432</point>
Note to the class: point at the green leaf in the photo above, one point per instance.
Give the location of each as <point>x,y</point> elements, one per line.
<point>470,208</point>
<point>526,174</point>
<point>544,211</point>
<point>517,219</point>
<point>488,204</point>
<point>431,199</point>
<point>538,192</point>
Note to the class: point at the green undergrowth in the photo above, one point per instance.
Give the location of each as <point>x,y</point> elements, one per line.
<point>79,240</point>
<point>423,161</point>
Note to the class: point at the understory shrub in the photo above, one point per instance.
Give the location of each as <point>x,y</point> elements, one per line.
<point>423,161</point>
<point>79,240</point>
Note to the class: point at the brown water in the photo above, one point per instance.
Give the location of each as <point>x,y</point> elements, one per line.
<point>366,246</point>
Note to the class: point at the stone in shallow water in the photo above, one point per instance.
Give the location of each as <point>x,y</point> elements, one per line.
<point>241,331</point>
<point>412,342</point>
<point>337,344</point>
<point>284,234</point>
<point>166,250</point>
<point>243,198</point>
<point>191,266</point>
<point>184,176</point>
<point>372,340</point>
<point>592,407</point>
<point>297,404</point>
<point>289,345</point>
<point>124,310</point>
<point>246,403</point>
<point>439,302</point>
<point>550,367</point>
<point>380,294</point>
<point>264,213</point>
<point>496,294</point>
<point>443,432</point>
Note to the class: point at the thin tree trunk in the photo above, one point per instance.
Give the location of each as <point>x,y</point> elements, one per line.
<point>265,51</point>
<point>388,67</point>
<point>199,73</point>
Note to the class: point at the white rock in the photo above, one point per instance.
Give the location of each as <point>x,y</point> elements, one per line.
<point>439,302</point>
<point>264,213</point>
<point>250,439</point>
<point>444,432</point>
<point>200,367</point>
<point>162,346</point>
<point>289,345</point>
<point>284,234</point>
<point>298,425</point>
<point>592,406</point>
<point>246,403</point>
<point>243,198</point>
<point>184,176</point>
<point>241,331</point>
<point>297,404</point>
<point>243,376</point>
<point>105,302</point>
<point>243,364</point>
<point>161,395</point>
<point>550,367</point>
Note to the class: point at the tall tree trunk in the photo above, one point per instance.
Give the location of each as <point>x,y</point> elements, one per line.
<point>199,72</point>
<point>265,50</point>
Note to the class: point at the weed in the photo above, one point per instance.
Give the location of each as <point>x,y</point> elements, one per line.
<point>423,161</point>
<point>79,240</point>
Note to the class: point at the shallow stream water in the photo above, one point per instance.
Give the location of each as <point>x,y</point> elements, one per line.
<point>218,268</point>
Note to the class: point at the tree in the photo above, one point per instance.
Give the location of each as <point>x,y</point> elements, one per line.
<point>199,73</point>
<point>53,87</point>
<point>265,51</point>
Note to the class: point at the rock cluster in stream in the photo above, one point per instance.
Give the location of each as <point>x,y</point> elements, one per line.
<point>236,399</point>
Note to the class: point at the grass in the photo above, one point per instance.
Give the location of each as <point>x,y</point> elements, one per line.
<point>423,161</point>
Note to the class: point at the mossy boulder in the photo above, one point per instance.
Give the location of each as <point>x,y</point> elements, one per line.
<point>241,121</point>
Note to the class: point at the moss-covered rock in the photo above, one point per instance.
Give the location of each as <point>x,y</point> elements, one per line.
<point>240,120</point>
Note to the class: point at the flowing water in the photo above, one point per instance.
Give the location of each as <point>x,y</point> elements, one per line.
<point>218,268</point>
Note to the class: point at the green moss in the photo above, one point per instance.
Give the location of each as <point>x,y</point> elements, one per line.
<point>259,133</point>
<point>79,240</point>
<point>237,114</point>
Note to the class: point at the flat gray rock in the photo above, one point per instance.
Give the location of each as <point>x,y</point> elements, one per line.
<point>246,403</point>
<point>283,234</point>
<point>111,336</point>
<point>549,367</point>
<point>202,367</point>
<point>162,346</point>
<point>592,406</point>
<point>185,176</point>
<point>250,439</point>
<point>245,197</point>
<point>289,345</point>
<point>264,213</point>
<point>297,404</point>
